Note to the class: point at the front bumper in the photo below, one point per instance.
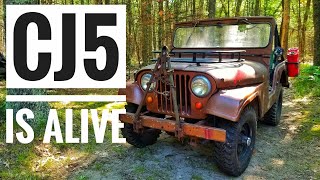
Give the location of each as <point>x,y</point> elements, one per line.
<point>188,129</point>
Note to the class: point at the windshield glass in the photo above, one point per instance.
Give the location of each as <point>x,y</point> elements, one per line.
<point>223,36</point>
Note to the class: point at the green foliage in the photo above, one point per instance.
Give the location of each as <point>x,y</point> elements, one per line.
<point>308,82</point>
<point>21,1</point>
<point>40,109</point>
<point>2,104</point>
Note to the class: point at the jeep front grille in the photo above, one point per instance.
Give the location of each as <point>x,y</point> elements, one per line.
<point>165,100</point>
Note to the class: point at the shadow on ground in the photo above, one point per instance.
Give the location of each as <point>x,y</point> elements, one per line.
<point>289,151</point>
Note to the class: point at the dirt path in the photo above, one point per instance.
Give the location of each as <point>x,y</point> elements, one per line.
<point>280,153</point>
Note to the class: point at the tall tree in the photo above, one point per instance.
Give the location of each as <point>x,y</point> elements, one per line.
<point>224,8</point>
<point>212,8</point>
<point>160,23</point>
<point>316,21</point>
<point>129,34</point>
<point>228,14</point>
<point>2,28</point>
<point>146,30</point>
<point>168,24</point>
<point>257,8</point>
<point>285,24</point>
<point>299,24</point>
<point>200,9</point>
<point>187,9</point>
<point>177,6</point>
<point>193,9</point>
<point>97,1</point>
<point>302,42</point>
<point>266,3</point>
<point>238,6</point>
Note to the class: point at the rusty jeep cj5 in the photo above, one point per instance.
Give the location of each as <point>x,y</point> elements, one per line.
<point>220,77</point>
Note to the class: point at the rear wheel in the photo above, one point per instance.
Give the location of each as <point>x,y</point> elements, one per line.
<point>234,155</point>
<point>273,116</point>
<point>146,137</point>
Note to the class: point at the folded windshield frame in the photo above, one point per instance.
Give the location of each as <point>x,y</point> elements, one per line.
<point>226,24</point>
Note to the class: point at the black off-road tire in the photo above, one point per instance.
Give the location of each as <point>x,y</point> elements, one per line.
<point>273,116</point>
<point>140,140</point>
<point>233,156</point>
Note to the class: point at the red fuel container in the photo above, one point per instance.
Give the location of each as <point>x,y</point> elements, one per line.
<point>293,62</point>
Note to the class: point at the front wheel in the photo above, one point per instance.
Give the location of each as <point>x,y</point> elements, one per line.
<point>147,137</point>
<point>234,155</point>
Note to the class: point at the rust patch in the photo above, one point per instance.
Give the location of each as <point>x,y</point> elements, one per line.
<point>188,129</point>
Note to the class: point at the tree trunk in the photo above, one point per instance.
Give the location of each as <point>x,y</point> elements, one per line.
<point>238,6</point>
<point>200,9</point>
<point>299,26</point>
<point>316,21</point>
<point>303,30</point>
<point>193,9</point>
<point>2,25</point>
<point>285,24</point>
<point>129,53</point>
<point>266,2</point>
<point>225,9</point>
<point>146,31</point>
<point>161,25</point>
<point>257,8</point>
<point>168,24</point>
<point>212,8</point>
<point>177,6</point>
<point>154,28</point>
<point>97,1</point>
<point>228,14</point>
<point>187,9</point>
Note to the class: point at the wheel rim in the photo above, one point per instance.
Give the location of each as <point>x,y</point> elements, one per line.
<point>244,142</point>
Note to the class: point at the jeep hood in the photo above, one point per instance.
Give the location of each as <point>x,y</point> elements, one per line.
<point>226,75</point>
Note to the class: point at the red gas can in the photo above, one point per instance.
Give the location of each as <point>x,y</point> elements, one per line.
<point>293,62</point>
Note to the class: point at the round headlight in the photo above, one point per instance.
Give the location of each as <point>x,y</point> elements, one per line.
<point>145,79</point>
<point>200,86</point>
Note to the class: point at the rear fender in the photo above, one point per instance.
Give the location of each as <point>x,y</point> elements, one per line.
<point>133,92</point>
<point>229,103</point>
<point>280,75</point>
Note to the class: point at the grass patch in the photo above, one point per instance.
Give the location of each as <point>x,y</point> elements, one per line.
<point>3,92</point>
<point>307,87</point>
<point>139,170</point>
<point>40,161</point>
<point>310,129</point>
<point>196,177</point>
<point>82,177</point>
<point>308,82</point>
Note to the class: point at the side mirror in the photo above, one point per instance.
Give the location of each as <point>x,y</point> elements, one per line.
<point>278,51</point>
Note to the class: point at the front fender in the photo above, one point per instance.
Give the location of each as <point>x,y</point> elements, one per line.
<point>229,103</point>
<point>133,92</point>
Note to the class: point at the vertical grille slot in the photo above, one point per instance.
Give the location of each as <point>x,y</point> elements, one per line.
<point>165,103</point>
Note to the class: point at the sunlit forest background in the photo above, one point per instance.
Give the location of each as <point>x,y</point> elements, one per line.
<point>150,23</point>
